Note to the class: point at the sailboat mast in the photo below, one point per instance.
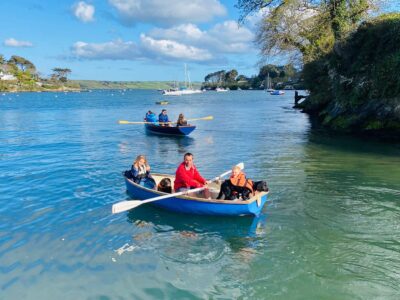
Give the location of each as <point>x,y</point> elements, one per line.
<point>185,76</point>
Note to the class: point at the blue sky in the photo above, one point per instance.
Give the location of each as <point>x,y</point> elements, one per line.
<point>129,39</point>
<point>132,39</point>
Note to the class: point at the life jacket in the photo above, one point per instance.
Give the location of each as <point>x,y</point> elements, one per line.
<point>141,173</point>
<point>242,181</point>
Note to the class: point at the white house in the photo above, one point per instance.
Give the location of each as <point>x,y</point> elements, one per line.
<point>7,76</point>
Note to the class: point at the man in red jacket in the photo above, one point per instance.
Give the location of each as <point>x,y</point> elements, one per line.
<point>187,176</point>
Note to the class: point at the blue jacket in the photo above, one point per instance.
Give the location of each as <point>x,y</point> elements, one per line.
<point>163,118</point>
<point>151,118</point>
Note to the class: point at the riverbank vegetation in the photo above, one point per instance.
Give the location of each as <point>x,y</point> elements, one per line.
<point>350,60</point>
<point>18,74</point>
<point>269,76</point>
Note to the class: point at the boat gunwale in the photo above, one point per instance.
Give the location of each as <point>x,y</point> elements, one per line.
<point>154,125</point>
<point>190,198</point>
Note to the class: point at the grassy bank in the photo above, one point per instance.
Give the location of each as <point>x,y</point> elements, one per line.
<point>151,85</point>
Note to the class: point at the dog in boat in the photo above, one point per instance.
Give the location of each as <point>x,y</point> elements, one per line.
<point>231,192</point>
<point>165,186</point>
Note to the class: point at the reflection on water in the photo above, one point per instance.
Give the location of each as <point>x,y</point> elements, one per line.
<point>193,239</point>
<point>165,144</point>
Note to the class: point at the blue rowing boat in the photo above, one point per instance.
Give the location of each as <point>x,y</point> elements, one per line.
<point>169,130</point>
<point>196,204</point>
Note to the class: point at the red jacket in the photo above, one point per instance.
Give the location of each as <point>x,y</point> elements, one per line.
<point>188,178</point>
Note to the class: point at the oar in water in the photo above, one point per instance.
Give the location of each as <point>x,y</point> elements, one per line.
<point>127,205</point>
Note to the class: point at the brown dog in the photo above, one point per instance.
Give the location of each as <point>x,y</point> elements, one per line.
<point>165,185</point>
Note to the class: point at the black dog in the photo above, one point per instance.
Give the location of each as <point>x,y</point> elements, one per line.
<point>232,192</point>
<point>165,185</point>
<point>260,186</point>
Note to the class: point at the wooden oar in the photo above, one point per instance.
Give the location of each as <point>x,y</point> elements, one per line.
<point>198,119</point>
<point>127,205</point>
<point>129,122</point>
<point>204,119</point>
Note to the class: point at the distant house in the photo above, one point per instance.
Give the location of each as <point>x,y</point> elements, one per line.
<point>288,87</point>
<point>7,76</point>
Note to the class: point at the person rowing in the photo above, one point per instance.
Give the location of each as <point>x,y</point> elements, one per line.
<point>163,118</point>
<point>187,177</point>
<point>150,117</point>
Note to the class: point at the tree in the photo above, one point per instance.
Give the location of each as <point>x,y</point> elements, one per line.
<point>22,63</point>
<point>215,77</point>
<point>306,27</point>
<point>61,74</point>
<point>268,69</point>
<point>242,78</point>
<point>231,75</point>
<point>2,59</point>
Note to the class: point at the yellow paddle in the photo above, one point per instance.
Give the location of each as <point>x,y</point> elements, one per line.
<point>203,119</point>
<point>129,122</point>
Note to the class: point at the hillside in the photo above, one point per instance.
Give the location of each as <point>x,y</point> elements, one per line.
<point>356,87</point>
<point>94,84</point>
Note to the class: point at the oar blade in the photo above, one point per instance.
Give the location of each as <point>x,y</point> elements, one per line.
<point>204,119</point>
<point>125,205</point>
<point>130,122</point>
<point>241,166</point>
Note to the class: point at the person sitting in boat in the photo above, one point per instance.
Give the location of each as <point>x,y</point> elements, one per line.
<point>181,121</point>
<point>237,186</point>
<point>151,117</point>
<point>141,172</point>
<point>186,176</point>
<point>163,118</point>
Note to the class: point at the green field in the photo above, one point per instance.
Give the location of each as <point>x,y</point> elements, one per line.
<point>94,84</point>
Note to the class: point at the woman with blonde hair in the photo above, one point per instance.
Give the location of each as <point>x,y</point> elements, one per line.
<point>141,172</point>
<point>181,121</point>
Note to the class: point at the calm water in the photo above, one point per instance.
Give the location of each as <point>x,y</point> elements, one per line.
<point>330,231</point>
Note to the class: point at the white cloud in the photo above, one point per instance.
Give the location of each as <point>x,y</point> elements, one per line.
<point>225,37</point>
<point>11,42</point>
<point>114,50</point>
<point>171,49</point>
<point>149,48</point>
<point>167,11</point>
<point>184,42</point>
<point>84,11</point>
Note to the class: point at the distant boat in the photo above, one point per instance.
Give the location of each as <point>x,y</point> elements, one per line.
<point>218,89</point>
<point>268,84</point>
<point>277,92</point>
<point>187,89</point>
<point>162,102</point>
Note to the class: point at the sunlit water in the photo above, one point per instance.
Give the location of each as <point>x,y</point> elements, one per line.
<point>330,231</point>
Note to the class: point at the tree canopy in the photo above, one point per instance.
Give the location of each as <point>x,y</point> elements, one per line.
<point>22,63</point>
<point>306,27</point>
<point>61,74</point>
